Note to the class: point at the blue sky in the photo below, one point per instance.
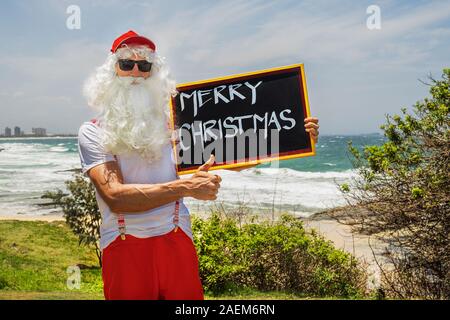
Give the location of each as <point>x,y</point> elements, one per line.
<point>355,75</point>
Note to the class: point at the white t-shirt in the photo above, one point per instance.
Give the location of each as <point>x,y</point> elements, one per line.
<point>134,169</point>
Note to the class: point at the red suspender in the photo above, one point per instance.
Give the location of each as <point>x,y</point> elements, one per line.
<point>121,224</point>
<point>176,217</point>
<point>121,218</point>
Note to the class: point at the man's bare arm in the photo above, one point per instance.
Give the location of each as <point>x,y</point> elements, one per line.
<point>134,198</point>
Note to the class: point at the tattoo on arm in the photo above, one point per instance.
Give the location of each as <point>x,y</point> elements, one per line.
<point>110,175</point>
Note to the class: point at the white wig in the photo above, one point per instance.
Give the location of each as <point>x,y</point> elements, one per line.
<point>133,112</point>
<point>97,85</point>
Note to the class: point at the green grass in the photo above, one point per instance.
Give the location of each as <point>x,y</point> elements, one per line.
<point>36,295</point>
<point>78,295</point>
<point>35,255</point>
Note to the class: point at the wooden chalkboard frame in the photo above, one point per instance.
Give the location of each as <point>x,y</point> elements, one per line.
<point>306,152</point>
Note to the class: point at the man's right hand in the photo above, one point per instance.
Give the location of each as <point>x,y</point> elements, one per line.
<point>203,185</point>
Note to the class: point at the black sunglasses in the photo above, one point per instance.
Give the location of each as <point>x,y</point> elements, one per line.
<point>128,65</point>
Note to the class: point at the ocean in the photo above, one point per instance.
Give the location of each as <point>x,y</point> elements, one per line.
<point>31,166</point>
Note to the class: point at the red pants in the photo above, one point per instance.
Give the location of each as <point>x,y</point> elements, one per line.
<point>161,267</point>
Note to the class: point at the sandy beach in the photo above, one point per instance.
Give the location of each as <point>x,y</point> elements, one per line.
<point>366,248</point>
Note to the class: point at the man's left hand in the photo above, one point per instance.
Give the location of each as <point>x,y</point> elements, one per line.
<point>312,126</point>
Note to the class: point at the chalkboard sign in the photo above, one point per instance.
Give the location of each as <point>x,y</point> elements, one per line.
<point>243,119</point>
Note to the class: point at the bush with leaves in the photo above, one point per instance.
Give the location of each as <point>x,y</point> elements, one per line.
<point>80,211</point>
<point>403,191</point>
<point>279,256</point>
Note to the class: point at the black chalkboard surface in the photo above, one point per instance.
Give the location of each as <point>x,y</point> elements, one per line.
<point>246,118</point>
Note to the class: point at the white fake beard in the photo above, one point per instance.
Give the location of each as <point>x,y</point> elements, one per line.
<point>134,117</point>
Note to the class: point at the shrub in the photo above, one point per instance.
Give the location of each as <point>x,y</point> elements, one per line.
<point>267,256</point>
<point>80,211</point>
<point>403,189</point>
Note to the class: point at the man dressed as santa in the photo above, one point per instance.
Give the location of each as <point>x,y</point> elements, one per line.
<point>145,235</point>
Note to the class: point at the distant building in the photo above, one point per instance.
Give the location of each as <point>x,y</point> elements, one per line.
<point>7,132</point>
<point>39,131</point>
<point>17,132</point>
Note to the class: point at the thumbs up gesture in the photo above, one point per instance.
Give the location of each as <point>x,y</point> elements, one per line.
<point>208,164</point>
<point>204,185</point>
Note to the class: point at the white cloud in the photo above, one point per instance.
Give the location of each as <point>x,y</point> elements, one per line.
<point>297,31</point>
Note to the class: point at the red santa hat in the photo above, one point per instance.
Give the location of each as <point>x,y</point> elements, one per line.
<point>132,37</point>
